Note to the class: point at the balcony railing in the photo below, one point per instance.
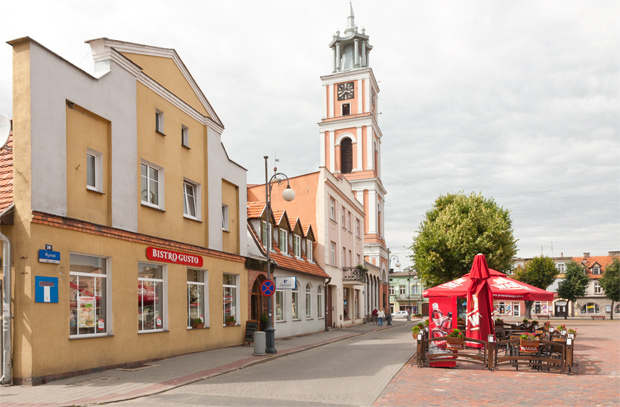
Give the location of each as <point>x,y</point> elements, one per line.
<point>406,297</point>
<point>354,274</point>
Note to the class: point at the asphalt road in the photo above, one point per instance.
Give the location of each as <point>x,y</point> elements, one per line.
<point>352,372</point>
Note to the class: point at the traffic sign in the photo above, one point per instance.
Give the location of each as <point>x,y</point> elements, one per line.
<point>267,288</point>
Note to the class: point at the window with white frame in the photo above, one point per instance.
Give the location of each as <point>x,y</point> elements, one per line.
<point>264,234</point>
<point>297,245</point>
<point>225,217</point>
<point>403,290</point>
<point>333,254</point>
<point>596,270</point>
<point>597,288</point>
<point>308,301</point>
<point>152,185</point>
<point>391,290</point>
<point>159,121</point>
<point>196,297</point>
<point>151,297</point>
<point>309,255</point>
<point>332,209</point>
<point>357,227</point>
<point>590,308</point>
<point>319,301</point>
<point>231,297</point>
<point>88,295</point>
<point>295,303</point>
<point>283,243</point>
<point>184,136</point>
<point>349,221</point>
<point>94,170</point>
<point>560,267</point>
<point>279,305</point>
<point>190,200</point>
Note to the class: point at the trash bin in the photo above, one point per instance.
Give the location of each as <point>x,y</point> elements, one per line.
<point>259,343</point>
<point>408,317</point>
<point>388,318</point>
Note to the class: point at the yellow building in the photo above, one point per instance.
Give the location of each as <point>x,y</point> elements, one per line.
<point>124,223</point>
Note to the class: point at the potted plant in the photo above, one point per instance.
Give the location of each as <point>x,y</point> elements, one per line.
<point>547,325</point>
<point>528,343</point>
<point>230,321</point>
<point>197,323</point>
<point>264,320</point>
<point>561,327</point>
<point>460,322</point>
<point>499,321</point>
<point>415,331</point>
<point>572,333</point>
<point>455,339</point>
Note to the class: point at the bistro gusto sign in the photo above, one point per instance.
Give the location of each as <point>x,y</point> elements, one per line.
<point>169,256</point>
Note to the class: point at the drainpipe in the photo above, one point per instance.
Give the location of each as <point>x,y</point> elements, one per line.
<point>7,353</point>
<point>326,310</point>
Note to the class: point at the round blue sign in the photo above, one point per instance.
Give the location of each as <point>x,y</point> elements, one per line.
<point>267,288</point>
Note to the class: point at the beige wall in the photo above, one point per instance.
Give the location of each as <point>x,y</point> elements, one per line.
<point>87,130</point>
<point>230,197</point>
<point>178,163</point>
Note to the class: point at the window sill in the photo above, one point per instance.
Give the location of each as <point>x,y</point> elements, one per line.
<point>309,319</point>
<point>91,189</point>
<point>90,336</point>
<point>160,133</point>
<point>183,145</point>
<point>154,331</point>
<point>297,320</point>
<point>192,218</point>
<point>189,328</point>
<point>149,205</point>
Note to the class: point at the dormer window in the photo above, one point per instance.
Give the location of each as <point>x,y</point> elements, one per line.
<point>283,243</point>
<point>297,245</point>
<point>309,250</point>
<point>596,270</point>
<point>264,234</point>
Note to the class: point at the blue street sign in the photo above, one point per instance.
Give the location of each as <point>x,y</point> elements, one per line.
<point>49,256</point>
<point>268,288</point>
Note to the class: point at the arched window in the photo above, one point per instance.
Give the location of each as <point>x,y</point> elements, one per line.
<point>319,301</point>
<point>590,308</point>
<point>346,156</point>
<point>308,301</point>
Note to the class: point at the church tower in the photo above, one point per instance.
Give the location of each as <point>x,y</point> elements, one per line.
<point>350,136</point>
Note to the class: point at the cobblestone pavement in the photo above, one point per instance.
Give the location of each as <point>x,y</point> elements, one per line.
<point>597,351</point>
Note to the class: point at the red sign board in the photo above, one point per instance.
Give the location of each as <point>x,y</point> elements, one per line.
<point>267,288</point>
<point>170,256</point>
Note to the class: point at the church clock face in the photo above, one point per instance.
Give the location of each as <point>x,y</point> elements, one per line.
<point>345,91</point>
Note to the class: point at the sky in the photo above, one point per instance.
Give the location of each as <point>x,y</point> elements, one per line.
<point>518,101</point>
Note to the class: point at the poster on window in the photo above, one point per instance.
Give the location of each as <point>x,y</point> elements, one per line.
<point>86,306</point>
<point>440,324</point>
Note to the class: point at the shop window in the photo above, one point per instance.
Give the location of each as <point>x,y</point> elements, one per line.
<point>231,297</point>
<point>88,295</point>
<point>196,299</point>
<point>308,301</point>
<point>151,298</point>
<point>590,308</point>
<point>357,303</point>
<point>295,303</point>
<point>319,301</point>
<point>345,303</point>
<point>279,305</point>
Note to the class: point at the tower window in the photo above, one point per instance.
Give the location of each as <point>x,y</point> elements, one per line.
<point>346,109</point>
<point>346,156</point>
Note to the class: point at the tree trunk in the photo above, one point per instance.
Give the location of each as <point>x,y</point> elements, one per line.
<point>568,303</point>
<point>528,309</point>
<point>612,310</point>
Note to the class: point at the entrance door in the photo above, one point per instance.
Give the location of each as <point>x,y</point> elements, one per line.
<point>256,306</point>
<point>515,309</point>
<point>561,309</point>
<point>330,301</point>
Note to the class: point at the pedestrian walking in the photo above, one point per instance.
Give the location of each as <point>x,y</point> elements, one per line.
<point>375,312</point>
<point>380,316</point>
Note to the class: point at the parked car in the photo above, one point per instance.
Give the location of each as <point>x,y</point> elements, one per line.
<point>400,314</point>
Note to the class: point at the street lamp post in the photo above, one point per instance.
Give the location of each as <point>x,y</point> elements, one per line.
<point>288,194</point>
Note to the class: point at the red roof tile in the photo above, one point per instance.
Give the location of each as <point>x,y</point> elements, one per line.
<point>6,175</point>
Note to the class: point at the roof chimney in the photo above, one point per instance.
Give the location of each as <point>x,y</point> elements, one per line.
<point>614,254</point>
<point>586,255</point>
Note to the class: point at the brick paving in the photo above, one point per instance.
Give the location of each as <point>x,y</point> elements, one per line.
<point>597,351</point>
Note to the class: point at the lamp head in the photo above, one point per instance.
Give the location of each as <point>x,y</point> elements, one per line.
<point>288,194</point>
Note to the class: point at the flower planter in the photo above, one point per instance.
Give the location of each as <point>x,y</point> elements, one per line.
<point>454,343</point>
<point>230,323</point>
<point>198,326</point>
<point>528,346</point>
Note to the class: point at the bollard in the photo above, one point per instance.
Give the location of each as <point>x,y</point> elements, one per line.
<point>259,343</point>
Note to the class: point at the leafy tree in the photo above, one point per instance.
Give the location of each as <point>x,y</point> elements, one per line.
<point>575,282</point>
<point>458,227</point>
<point>539,272</point>
<point>610,283</point>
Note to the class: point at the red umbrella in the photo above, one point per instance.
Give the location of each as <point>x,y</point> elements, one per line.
<point>479,302</point>
<point>502,287</point>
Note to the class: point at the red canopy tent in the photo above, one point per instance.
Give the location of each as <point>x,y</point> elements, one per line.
<point>502,287</point>
<point>479,302</point>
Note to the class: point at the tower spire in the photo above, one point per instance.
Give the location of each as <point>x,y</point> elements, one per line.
<point>350,21</point>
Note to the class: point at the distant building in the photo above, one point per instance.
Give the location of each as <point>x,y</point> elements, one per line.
<point>594,303</point>
<point>406,293</point>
